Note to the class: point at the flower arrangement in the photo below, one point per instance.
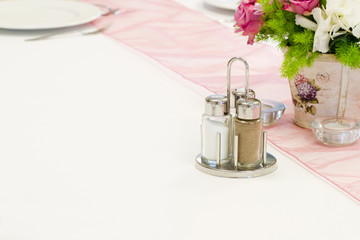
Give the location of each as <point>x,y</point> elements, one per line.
<point>305,28</point>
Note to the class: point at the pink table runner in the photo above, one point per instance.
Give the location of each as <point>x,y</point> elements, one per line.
<point>198,48</point>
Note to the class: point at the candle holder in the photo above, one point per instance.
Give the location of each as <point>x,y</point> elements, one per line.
<point>271,111</point>
<point>336,131</point>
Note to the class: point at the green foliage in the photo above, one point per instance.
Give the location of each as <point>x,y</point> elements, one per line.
<point>299,54</point>
<point>347,50</point>
<point>296,57</point>
<point>279,26</point>
<point>349,55</point>
<point>297,42</point>
<point>322,3</point>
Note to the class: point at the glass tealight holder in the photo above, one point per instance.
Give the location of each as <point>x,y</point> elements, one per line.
<point>271,111</point>
<point>336,131</point>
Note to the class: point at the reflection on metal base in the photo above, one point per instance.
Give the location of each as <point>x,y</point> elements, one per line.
<point>229,171</point>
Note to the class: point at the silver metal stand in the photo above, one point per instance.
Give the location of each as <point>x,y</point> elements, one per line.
<point>230,168</point>
<point>230,171</point>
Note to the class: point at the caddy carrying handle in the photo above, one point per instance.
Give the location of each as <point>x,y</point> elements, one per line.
<point>228,78</point>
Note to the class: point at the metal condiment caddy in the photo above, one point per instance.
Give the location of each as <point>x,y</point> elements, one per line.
<point>234,146</point>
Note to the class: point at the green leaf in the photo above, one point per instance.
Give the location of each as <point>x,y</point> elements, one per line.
<point>312,110</point>
<point>322,3</point>
<point>317,88</point>
<point>316,101</point>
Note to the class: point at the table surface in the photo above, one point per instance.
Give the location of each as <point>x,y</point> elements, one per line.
<point>98,142</point>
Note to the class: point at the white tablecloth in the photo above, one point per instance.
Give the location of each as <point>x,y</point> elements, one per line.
<point>98,142</point>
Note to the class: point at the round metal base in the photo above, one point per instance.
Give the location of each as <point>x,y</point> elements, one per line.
<point>229,171</point>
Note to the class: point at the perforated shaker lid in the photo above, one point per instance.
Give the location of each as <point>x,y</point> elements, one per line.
<point>248,109</point>
<point>216,105</point>
<point>240,93</point>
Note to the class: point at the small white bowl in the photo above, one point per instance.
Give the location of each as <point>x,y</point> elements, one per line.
<point>336,131</point>
<point>271,111</point>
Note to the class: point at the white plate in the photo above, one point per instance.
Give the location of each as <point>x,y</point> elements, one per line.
<point>45,14</point>
<point>224,4</point>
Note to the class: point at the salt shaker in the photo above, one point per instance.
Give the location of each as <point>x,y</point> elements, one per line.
<point>248,134</point>
<point>216,131</point>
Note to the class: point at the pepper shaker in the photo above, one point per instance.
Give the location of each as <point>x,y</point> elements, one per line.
<point>247,123</point>
<point>248,132</point>
<point>216,131</point>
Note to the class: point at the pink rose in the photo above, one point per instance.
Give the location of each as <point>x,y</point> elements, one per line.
<point>249,19</point>
<point>303,7</point>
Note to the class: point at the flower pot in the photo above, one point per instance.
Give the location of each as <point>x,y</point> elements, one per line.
<point>327,88</point>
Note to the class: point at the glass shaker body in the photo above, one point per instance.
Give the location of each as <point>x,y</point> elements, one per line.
<point>211,126</point>
<point>249,149</point>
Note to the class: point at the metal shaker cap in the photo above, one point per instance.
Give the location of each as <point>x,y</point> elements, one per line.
<point>240,93</point>
<point>248,109</point>
<point>216,105</point>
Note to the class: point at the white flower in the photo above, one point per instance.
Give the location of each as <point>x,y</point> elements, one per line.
<point>338,17</point>
<point>344,16</point>
<point>356,31</point>
<point>305,23</point>
<point>322,36</point>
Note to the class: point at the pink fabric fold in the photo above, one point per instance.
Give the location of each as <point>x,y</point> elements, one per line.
<point>198,48</point>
